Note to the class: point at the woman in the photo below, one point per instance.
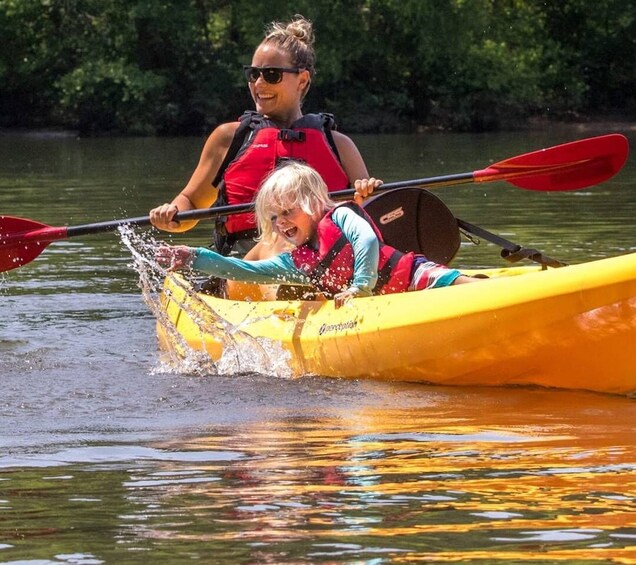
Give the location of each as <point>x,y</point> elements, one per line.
<point>238,155</point>
<point>336,249</point>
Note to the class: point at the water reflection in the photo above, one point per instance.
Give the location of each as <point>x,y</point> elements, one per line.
<point>446,476</point>
<point>418,483</point>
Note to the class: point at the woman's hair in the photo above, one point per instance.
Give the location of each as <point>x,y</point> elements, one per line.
<point>292,185</point>
<point>295,37</point>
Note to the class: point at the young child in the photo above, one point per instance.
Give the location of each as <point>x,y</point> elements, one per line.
<point>337,249</point>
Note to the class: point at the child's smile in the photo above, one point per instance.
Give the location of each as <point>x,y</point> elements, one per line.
<point>295,225</point>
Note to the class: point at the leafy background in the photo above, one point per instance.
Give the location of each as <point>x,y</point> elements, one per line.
<point>172,67</point>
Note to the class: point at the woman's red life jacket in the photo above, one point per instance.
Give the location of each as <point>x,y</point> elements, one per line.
<point>259,146</point>
<point>330,267</point>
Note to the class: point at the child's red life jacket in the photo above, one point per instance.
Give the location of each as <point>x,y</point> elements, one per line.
<point>330,267</point>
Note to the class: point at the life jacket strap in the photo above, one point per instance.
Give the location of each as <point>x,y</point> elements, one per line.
<point>326,262</point>
<point>384,274</point>
<point>291,135</point>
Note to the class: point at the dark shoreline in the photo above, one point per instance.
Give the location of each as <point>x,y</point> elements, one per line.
<point>597,124</point>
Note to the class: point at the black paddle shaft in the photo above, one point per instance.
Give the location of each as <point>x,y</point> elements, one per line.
<point>218,211</point>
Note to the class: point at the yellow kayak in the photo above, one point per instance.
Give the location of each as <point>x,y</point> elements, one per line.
<point>572,327</point>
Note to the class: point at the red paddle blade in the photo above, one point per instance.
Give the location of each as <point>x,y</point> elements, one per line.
<point>23,240</point>
<point>569,166</point>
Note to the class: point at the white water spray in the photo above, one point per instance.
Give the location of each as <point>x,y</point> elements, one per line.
<point>242,353</point>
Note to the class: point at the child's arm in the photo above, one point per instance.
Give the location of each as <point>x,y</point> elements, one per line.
<point>274,270</point>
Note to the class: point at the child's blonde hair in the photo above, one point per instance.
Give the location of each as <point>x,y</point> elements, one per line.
<point>292,185</point>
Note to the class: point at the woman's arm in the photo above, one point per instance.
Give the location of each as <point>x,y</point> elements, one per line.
<point>355,167</point>
<point>199,192</point>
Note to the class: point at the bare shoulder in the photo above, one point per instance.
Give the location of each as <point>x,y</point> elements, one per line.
<point>216,146</point>
<point>350,157</point>
<point>342,140</point>
<point>223,134</point>
<point>345,145</point>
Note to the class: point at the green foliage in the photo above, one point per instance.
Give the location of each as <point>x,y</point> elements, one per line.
<point>173,66</point>
<point>598,39</point>
<point>111,96</point>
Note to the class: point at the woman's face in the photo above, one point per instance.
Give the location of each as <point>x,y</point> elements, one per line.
<point>280,101</point>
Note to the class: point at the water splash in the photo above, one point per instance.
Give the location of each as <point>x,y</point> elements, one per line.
<point>242,353</point>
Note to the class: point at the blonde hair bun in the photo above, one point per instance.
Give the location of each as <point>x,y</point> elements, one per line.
<point>299,27</point>
<point>296,37</point>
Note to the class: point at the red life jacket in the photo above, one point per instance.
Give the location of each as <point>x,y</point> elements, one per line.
<point>259,146</point>
<point>330,267</point>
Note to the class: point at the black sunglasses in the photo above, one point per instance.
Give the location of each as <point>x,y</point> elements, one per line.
<point>272,75</point>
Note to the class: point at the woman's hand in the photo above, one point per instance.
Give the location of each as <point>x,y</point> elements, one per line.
<point>162,217</point>
<point>364,189</point>
<point>175,257</point>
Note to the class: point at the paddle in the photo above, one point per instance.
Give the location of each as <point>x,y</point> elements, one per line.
<point>414,219</point>
<point>569,166</point>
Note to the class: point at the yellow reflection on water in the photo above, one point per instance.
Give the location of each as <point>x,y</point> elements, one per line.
<point>467,474</point>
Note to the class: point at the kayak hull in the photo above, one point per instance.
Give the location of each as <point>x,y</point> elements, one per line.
<point>572,327</point>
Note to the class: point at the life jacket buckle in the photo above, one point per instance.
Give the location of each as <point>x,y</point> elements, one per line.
<point>291,135</point>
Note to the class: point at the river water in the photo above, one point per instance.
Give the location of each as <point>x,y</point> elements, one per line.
<point>109,456</point>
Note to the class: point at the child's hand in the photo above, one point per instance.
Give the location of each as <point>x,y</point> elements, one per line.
<point>343,297</point>
<point>175,257</point>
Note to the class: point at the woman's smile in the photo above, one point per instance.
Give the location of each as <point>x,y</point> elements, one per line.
<point>278,101</point>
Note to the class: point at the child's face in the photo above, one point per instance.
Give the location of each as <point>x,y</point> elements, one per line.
<point>294,225</point>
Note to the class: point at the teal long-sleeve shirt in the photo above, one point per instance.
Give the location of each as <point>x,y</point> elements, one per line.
<point>281,269</point>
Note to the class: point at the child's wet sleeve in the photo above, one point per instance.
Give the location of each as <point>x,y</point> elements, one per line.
<point>275,270</point>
